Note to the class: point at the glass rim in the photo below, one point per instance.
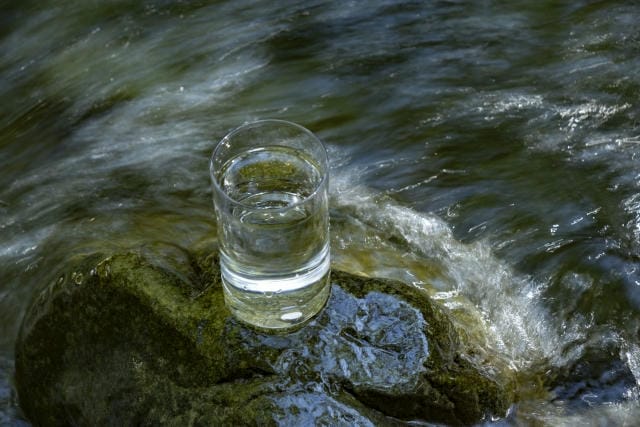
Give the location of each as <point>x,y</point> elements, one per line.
<point>255,123</point>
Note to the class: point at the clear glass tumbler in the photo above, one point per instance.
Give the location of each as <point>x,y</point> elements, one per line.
<point>270,181</point>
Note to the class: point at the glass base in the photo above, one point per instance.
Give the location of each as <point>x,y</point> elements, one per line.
<point>277,311</point>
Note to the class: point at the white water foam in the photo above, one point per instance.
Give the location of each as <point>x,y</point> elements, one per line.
<point>510,305</point>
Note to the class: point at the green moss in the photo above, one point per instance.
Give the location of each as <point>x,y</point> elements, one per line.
<point>132,339</point>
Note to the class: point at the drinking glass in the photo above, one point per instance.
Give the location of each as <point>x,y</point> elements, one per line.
<point>270,181</point>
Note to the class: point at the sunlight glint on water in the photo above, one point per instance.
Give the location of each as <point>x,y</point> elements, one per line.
<point>112,108</point>
<point>469,273</point>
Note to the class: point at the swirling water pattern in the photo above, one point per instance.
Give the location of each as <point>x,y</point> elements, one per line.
<point>487,151</point>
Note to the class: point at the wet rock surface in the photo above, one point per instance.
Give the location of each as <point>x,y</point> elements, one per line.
<point>144,338</point>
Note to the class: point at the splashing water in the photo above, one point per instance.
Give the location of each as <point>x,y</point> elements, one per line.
<point>485,152</point>
<point>485,293</point>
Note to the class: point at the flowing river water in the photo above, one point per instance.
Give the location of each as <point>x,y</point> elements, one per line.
<point>486,151</point>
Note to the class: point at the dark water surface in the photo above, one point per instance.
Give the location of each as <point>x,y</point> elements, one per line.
<point>487,151</point>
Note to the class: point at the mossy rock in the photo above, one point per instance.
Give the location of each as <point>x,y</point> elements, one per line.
<point>144,338</point>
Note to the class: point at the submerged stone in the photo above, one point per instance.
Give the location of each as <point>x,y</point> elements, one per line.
<point>135,338</point>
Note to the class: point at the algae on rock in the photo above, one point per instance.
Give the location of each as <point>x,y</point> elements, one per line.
<point>127,339</point>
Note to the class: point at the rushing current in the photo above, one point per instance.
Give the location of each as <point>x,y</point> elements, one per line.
<point>487,151</point>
